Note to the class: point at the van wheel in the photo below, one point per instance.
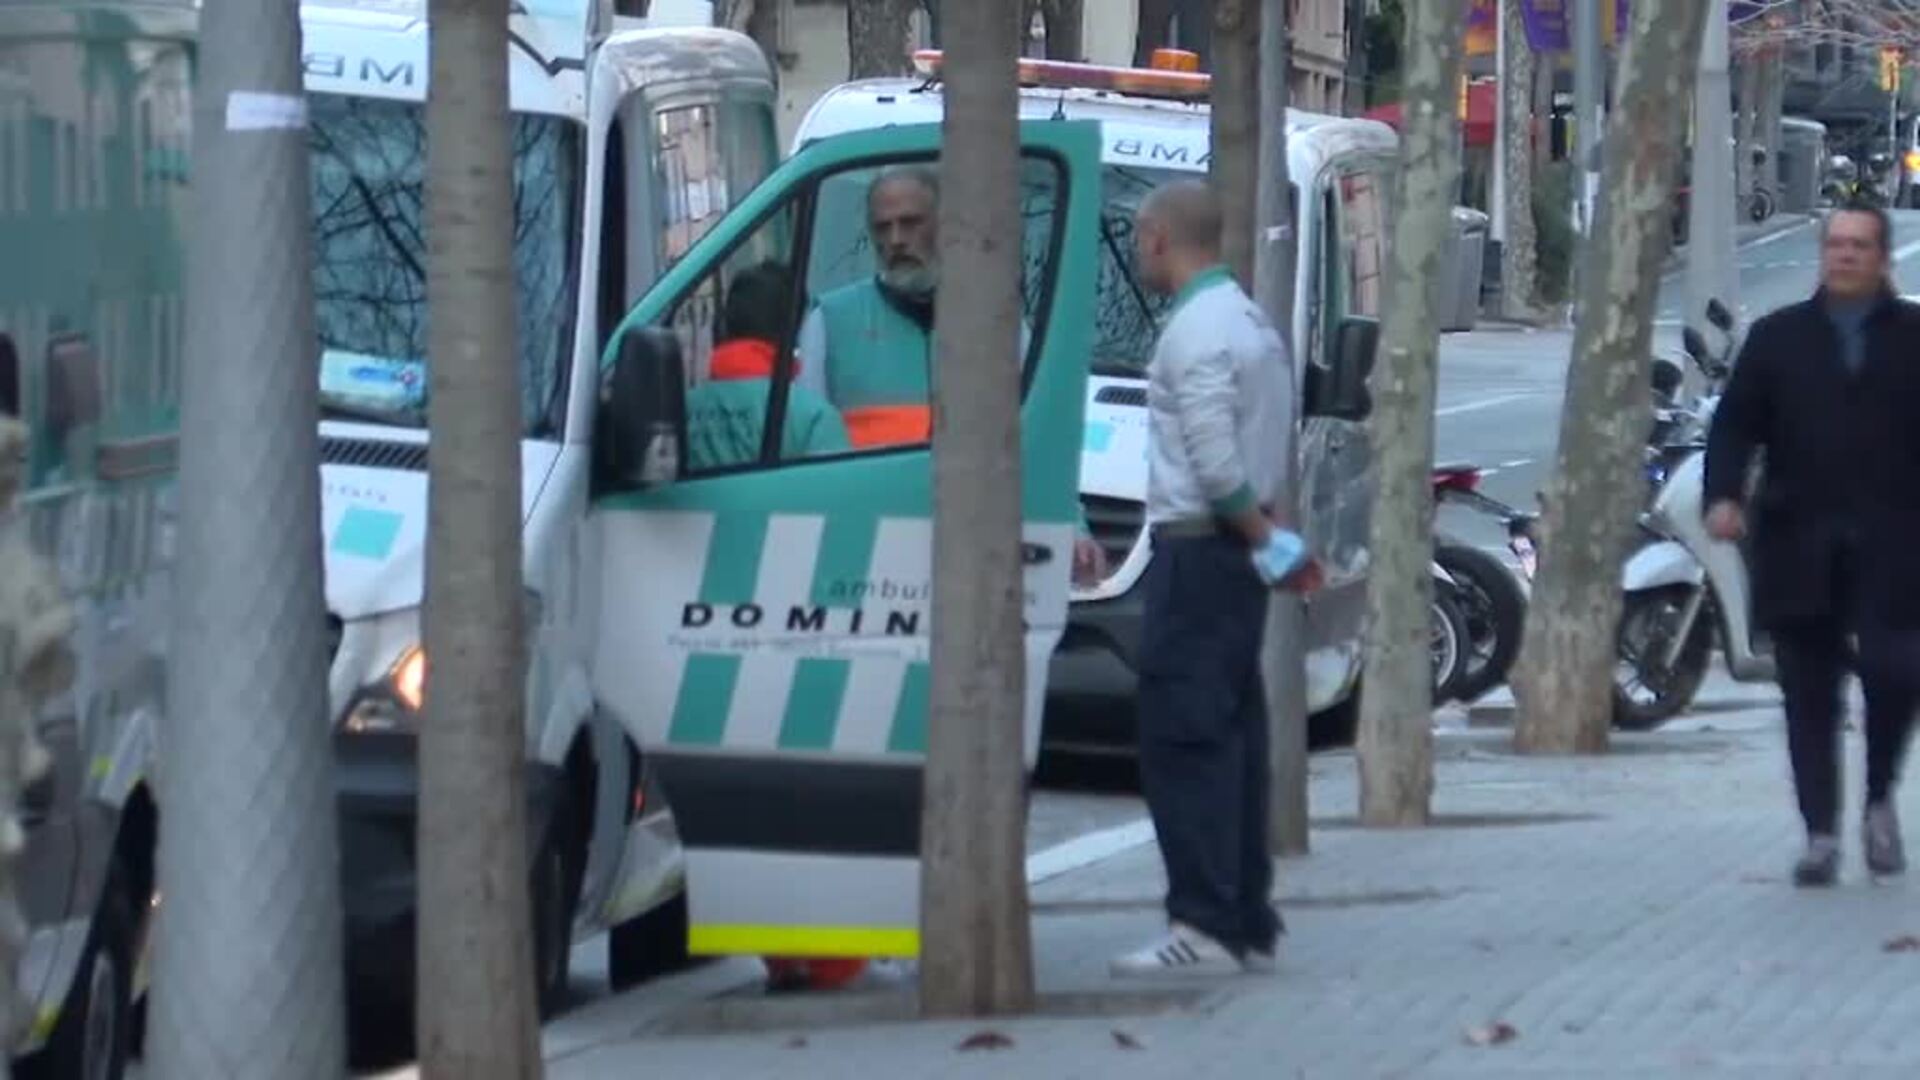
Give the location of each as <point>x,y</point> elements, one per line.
<point>553,899</point>
<point>651,944</point>
<point>92,1038</point>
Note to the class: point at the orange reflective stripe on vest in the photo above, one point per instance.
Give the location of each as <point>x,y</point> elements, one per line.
<point>889,425</point>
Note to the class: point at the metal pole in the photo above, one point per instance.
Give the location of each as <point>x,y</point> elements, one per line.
<point>1588,76</point>
<point>1710,225</point>
<point>247,981</point>
<point>1497,198</point>
<point>1283,663</point>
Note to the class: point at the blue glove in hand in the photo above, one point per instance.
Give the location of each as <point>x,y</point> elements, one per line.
<point>1283,553</point>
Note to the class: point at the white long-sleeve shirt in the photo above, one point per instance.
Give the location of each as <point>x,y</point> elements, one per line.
<point>1217,397</point>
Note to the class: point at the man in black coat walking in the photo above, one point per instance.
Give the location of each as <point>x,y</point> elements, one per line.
<point>1829,389</point>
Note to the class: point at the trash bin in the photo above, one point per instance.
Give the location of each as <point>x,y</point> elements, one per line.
<point>1460,292</point>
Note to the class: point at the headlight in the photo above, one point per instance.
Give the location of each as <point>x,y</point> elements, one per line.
<point>393,703</point>
<point>409,678</point>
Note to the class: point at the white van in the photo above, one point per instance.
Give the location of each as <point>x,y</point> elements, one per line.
<point>630,139</point>
<point>1155,129</point>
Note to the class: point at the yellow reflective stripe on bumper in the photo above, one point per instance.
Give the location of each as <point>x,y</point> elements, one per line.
<point>726,940</point>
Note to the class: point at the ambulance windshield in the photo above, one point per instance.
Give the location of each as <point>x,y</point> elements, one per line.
<point>369,163</point>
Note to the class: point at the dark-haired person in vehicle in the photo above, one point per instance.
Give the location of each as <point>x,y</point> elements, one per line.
<point>726,414</point>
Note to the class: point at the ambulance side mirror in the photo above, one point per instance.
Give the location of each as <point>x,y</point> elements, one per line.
<point>1340,390</point>
<point>640,426</point>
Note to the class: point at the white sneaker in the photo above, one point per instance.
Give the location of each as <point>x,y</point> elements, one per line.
<point>1183,951</point>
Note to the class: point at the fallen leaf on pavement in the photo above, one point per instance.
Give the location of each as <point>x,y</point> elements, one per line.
<point>1127,1041</point>
<point>986,1040</point>
<point>1903,943</point>
<point>1493,1034</point>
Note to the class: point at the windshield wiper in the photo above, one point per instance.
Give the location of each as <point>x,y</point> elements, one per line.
<point>1126,269</point>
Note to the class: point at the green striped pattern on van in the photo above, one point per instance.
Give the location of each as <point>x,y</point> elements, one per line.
<point>777,632</point>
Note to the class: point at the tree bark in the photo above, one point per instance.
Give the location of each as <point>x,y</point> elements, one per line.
<point>1354,97</point>
<point>758,19</point>
<point>1155,28</point>
<point>1562,681</point>
<point>1519,256</point>
<point>976,944</point>
<point>1772,101</point>
<point>1283,663</point>
<point>1746,130</point>
<point>1065,21</point>
<point>877,37</point>
<point>1396,739</point>
<point>1235,135</point>
<point>478,1016</point>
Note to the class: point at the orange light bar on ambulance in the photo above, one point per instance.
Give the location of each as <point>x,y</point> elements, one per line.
<point>1060,74</point>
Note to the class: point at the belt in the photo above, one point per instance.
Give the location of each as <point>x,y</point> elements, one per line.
<point>1191,529</point>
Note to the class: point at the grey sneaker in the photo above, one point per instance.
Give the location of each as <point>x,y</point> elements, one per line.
<point>1181,951</point>
<point>1886,855</point>
<point>1820,865</point>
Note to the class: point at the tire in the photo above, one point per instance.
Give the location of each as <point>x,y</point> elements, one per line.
<point>94,1035</point>
<point>1450,641</point>
<point>1645,628</point>
<point>1495,607</point>
<point>652,944</point>
<point>554,893</point>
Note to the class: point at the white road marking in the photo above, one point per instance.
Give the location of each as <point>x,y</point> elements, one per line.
<point>1087,849</point>
<point>1484,403</point>
<point>1781,235</point>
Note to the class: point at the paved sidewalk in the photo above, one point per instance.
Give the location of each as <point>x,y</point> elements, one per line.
<point>1625,916</point>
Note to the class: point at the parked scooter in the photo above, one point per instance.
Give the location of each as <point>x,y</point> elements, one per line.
<point>1683,586</point>
<point>1491,597</point>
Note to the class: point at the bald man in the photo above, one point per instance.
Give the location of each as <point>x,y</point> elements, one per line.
<point>1217,399</point>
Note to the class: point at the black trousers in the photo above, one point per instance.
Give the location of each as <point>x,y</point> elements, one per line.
<point>1813,656</point>
<point>1203,738</point>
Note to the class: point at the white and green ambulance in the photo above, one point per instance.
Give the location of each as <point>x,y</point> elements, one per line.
<point>631,138</point>
<point>1154,128</point>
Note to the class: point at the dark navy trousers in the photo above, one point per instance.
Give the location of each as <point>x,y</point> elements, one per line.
<point>1203,737</point>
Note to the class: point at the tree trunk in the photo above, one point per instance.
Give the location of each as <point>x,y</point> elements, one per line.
<point>1519,257</point>
<point>247,956</point>
<point>1355,89</point>
<point>758,19</point>
<point>35,665</point>
<point>1156,21</point>
<point>1746,130</point>
<point>1283,663</point>
<point>1545,67</point>
<point>1066,26</point>
<point>476,994</point>
<point>1235,135</point>
<point>1396,738</point>
<point>976,942</point>
<point>1562,681</point>
<point>1772,101</point>
<point>877,38</point>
